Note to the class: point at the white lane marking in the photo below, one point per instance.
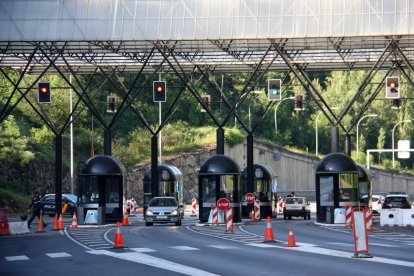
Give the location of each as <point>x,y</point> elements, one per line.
<point>340,243</point>
<point>17,258</point>
<point>380,244</point>
<point>184,248</point>
<point>58,255</point>
<point>141,258</point>
<point>218,246</point>
<point>262,245</point>
<point>143,250</point>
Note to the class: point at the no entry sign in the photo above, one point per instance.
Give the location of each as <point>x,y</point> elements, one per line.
<point>223,204</point>
<point>249,197</point>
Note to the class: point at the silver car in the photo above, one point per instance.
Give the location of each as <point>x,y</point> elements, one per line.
<point>163,210</point>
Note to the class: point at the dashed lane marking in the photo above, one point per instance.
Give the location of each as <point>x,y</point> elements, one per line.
<point>17,258</point>
<point>58,255</point>
<point>184,248</point>
<point>218,246</point>
<point>143,250</point>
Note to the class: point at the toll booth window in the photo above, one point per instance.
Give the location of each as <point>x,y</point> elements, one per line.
<point>263,192</point>
<point>348,188</point>
<point>112,190</point>
<point>326,192</point>
<point>227,186</point>
<point>89,191</point>
<point>209,189</point>
<point>166,188</point>
<point>363,192</point>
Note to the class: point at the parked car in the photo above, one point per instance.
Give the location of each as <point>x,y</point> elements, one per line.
<point>47,203</point>
<point>296,207</point>
<point>402,201</point>
<point>377,203</point>
<point>164,210</point>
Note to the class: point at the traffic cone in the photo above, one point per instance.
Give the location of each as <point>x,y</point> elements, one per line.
<point>60,223</point>
<point>74,221</point>
<point>291,239</point>
<point>125,221</point>
<point>40,228</point>
<point>269,237</point>
<point>252,216</point>
<point>119,241</point>
<point>56,223</point>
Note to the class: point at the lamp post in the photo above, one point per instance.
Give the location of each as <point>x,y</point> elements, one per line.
<point>393,129</point>
<point>316,129</point>
<point>277,105</point>
<point>357,134</point>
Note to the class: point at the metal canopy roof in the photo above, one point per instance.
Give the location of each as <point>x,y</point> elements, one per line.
<point>227,36</point>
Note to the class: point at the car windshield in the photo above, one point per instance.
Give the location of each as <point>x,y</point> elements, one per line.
<point>72,197</point>
<point>293,200</point>
<point>163,202</point>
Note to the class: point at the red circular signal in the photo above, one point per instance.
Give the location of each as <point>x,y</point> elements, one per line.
<point>43,90</point>
<point>392,84</point>
<point>159,89</point>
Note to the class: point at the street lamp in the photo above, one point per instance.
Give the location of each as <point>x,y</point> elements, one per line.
<point>277,105</point>
<point>316,129</point>
<point>393,129</point>
<point>357,134</point>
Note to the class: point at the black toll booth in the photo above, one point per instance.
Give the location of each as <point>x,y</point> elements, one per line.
<point>219,177</point>
<point>263,179</point>
<point>364,186</point>
<point>336,185</point>
<point>100,187</point>
<point>170,183</point>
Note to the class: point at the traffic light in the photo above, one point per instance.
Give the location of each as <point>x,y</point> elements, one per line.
<point>392,88</point>
<point>395,103</point>
<point>44,92</point>
<point>274,88</point>
<point>299,102</point>
<point>111,104</point>
<point>159,91</point>
<point>207,100</point>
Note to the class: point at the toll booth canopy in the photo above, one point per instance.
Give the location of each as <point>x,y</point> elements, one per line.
<point>170,183</point>
<point>263,181</point>
<point>219,177</point>
<point>336,185</point>
<point>100,187</point>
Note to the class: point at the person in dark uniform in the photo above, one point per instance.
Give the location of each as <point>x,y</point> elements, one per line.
<point>36,209</point>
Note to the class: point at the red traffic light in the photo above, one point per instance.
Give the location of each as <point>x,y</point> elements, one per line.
<point>393,84</point>
<point>159,91</point>
<point>44,92</point>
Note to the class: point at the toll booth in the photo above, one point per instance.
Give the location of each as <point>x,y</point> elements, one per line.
<point>364,186</point>
<point>100,189</point>
<point>264,180</point>
<point>219,177</point>
<point>336,183</point>
<point>170,183</point>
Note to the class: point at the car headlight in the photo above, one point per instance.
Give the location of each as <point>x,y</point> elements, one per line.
<point>174,213</point>
<point>149,213</point>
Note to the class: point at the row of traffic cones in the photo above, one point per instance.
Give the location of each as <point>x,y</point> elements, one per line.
<point>57,224</point>
<point>269,237</point>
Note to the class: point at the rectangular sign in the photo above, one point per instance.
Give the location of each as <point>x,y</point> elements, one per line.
<point>403,145</point>
<point>360,231</point>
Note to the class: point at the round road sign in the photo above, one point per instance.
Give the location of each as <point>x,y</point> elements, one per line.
<point>223,204</point>
<point>249,197</point>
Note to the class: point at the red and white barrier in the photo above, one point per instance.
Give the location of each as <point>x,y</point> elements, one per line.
<point>214,209</point>
<point>280,205</point>
<point>348,216</point>
<point>193,207</point>
<point>132,206</point>
<point>229,220</point>
<point>257,209</point>
<point>368,219</point>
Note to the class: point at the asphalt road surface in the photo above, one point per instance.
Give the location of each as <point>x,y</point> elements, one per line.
<point>197,249</point>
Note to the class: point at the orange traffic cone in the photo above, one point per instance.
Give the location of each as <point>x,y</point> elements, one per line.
<point>60,223</point>
<point>74,221</point>
<point>119,241</point>
<point>291,239</point>
<point>269,237</point>
<point>56,223</point>
<point>40,228</point>
<point>125,221</point>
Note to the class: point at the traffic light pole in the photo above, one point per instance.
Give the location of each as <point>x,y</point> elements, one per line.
<point>58,173</point>
<point>107,142</point>
<point>154,166</point>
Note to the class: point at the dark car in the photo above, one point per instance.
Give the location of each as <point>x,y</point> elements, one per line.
<point>402,201</point>
<point>47,204</point>
<point>164,210</point>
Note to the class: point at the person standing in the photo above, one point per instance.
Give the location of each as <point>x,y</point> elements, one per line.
<point>36,209</point>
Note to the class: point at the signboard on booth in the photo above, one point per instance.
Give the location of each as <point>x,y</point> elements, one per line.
<point>223,204</point>
<point>249,197</point>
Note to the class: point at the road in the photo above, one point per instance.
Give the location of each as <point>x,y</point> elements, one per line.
<point>195,249</point>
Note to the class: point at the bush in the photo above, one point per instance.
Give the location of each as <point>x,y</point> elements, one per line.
<point>12,201</point>
<point>233,136</point>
